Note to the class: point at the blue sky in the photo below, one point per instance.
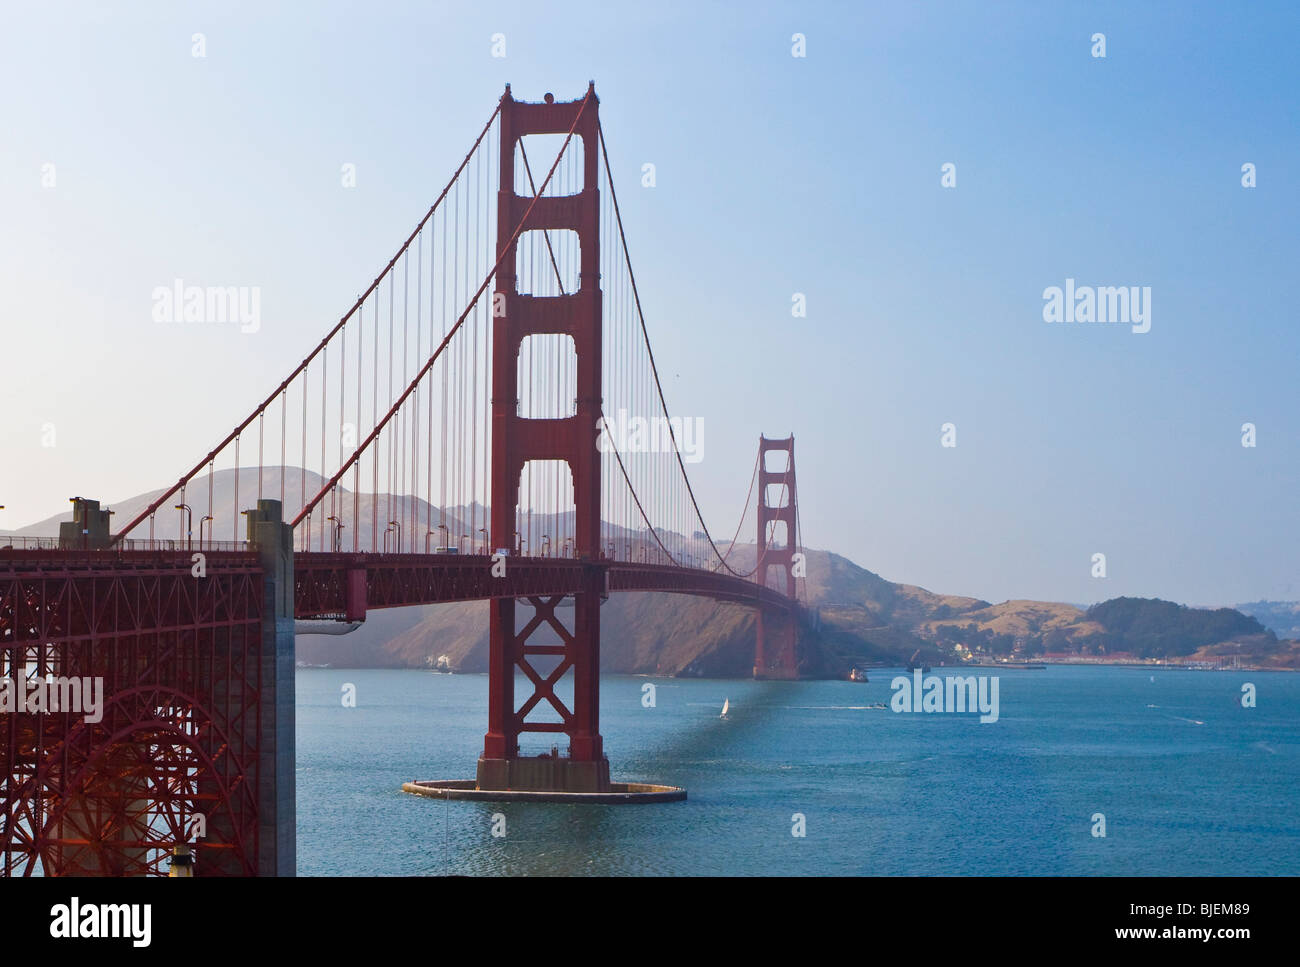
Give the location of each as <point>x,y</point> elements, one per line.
<point>775,175</point>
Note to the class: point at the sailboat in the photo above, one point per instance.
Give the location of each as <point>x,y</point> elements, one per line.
<point>726,704</point>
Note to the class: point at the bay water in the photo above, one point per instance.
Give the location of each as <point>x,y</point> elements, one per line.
<point>1188,781</point>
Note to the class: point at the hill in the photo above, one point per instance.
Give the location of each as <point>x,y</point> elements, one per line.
<point>1280,617</point>
<point>854,616</point>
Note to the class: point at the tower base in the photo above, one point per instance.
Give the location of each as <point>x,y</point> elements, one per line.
<point>544,774</point>
<point>778,674</point>
<point>545,778</point>
<point>619,793</point>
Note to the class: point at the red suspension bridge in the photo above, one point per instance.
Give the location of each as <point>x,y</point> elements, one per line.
<point>486,422</point>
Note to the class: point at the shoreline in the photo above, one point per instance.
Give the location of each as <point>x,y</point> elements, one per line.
<point>1161,665</point>
<point>900,669</point>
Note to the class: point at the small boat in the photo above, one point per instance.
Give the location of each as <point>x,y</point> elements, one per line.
<point>857,674</point>
<point>726,704</point>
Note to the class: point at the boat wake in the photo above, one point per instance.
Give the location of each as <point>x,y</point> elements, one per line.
<point>833,708</point>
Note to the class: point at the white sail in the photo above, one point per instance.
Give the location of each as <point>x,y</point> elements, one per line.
<point>726,704</point>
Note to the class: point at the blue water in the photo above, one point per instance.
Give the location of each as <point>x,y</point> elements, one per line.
<point>1195,785</point>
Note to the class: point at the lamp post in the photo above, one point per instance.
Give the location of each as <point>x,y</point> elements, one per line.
<point>189,524</point>
<point>483,531</point>
<point>338,532</point>
<point>398,527</point>
<point>446,535</point>
<point>206,518</point>
<point>546,545</point>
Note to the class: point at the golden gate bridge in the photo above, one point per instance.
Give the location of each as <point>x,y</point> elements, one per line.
<point>448,439</point>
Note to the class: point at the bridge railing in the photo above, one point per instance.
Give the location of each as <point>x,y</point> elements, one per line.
<point>29,543</point>
<point>55,544</point>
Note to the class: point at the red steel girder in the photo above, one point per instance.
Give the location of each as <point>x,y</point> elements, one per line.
<point>179,659</point>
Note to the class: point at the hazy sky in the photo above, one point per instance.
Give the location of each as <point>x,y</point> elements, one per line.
<point>776,174</point>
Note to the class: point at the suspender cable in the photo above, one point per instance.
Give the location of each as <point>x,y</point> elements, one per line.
<point>324,387</point>
<point>473,407</point>
<point>650,353</point>
<point>415,404</point>
<point>374,416</point>
<point>234,525</point>
<point>302,464</point>
<point>401,449</point>
<point>456,328</point>
<point>301,367</point>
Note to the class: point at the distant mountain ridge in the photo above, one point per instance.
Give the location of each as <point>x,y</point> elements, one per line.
<point>1280,617</point>
<point>854,616</point>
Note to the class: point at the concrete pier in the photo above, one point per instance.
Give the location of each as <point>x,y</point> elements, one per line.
<point>278,817</point>
<point>618,793</point>
<point>546,773</point>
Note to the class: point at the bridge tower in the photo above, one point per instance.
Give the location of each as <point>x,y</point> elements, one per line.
<point>516,440</point>
<point>775,656</point>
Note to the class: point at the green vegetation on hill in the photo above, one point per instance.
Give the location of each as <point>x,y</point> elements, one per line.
<point>1151,628</point>
<point>854,617</point>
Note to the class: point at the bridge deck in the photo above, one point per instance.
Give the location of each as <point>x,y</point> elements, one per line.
<point>347,584</point>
